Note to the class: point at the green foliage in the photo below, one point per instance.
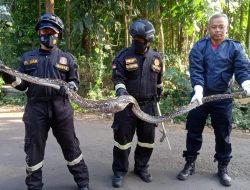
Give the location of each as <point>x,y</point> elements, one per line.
<point>95,75</point>
<point>1,84</point>
<point>97,31</point>
<point>241,114</point>
<point>177,86</point>
<point>13,100</point>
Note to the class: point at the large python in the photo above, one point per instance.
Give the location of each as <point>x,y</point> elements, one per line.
<point>116,104</point>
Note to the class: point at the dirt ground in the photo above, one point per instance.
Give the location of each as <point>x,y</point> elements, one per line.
<point>96,138</point>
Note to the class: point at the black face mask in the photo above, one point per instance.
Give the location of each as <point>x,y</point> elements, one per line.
<point>140,47</point>
<point>49,41</point>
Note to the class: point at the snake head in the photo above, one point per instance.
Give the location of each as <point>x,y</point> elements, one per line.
<point>122,102</point>
<point>117,104</point>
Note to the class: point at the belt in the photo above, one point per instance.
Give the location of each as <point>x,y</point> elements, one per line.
<point>145,101</point>
<point>44,98</point>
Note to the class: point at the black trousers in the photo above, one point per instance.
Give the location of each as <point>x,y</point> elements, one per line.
<point>221,118</point>
<point>124,127</point>
<point>39,117</point>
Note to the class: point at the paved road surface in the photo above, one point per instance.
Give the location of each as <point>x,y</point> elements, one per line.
<point>96,143</point>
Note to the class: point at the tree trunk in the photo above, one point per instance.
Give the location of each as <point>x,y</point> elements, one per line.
<point>125,23</point>
<point>13,6</point>
<point>161,47</point>
<point>39,8</point>
<point>86,42</point>
<point>50,6</point>
<point>248,31</point>
<point>67,30</point>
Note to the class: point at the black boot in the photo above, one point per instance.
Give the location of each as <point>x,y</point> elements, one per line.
<point>225,179</point>
<point>84,188</point>
<point>188,169</point>
<point>144,175</point>
<point>117,181</point>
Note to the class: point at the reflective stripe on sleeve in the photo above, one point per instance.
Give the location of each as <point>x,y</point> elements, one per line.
<point>35,167</point>
<point>75,161</point>
<point>120,85</point>
<point>159,85</point>
<point>145,145</point>
<point>123,147</point>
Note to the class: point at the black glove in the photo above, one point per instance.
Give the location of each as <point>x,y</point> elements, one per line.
<point>121,91</point>
<point>159,91</point>
<point>8,79</point>
<point>72,85</point>
<point>63,91</point>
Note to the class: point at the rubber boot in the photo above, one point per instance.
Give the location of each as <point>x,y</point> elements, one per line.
<point>224,178</point>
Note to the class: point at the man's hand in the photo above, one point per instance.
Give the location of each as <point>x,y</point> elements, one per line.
<point>72,85</point>
<point>246,86</point>
<point>64,90</point>
<point>198,95</point>
<point>121,91</point>
<point>9,79</point>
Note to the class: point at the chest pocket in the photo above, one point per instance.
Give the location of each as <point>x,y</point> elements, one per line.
<point>131,64</point>
<point>132,68</point>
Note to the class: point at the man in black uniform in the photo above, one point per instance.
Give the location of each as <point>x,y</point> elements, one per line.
<point>213,61</point>
<point>49,108</point>
<point>137,71</point>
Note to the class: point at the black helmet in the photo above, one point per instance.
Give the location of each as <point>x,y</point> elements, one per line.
<point>52,21</point>
<point>142,28</point>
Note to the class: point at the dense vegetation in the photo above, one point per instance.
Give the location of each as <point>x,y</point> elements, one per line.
<point>96,30</point>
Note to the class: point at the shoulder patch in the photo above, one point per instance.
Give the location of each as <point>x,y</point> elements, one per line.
<point>63,61</point>
<point>156,66</point>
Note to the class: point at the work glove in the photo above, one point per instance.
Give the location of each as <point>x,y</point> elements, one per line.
<point>72,85</point>
<point>246,87</point>
<point>159,92</point>
<point>198,94</point>
<point>121,91</point>
<point>64,89</point>
<point>9,79</point>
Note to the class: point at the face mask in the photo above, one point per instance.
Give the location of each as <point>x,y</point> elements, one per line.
<point>49,41</point>
<point>140,47</point>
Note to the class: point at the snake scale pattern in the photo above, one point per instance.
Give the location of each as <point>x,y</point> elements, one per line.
<point>116,104</point>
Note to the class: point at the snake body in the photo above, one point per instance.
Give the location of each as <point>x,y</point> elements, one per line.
<point>114,104</point>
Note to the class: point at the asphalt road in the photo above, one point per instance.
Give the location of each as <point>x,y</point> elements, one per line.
<point>95,136</point>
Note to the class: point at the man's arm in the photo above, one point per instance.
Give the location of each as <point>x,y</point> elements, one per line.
<point>197,72</point>
<point>118,77</point>
<point>15,82</point>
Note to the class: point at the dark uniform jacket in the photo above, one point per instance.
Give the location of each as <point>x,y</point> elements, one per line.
<point>53,65</point>
<point>140,73</point>
<point>214,68</point>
